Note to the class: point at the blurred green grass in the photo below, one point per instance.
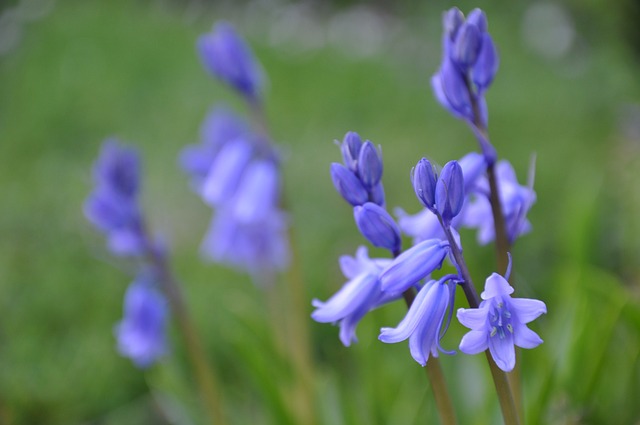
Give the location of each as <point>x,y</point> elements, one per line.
<point>94,69</point>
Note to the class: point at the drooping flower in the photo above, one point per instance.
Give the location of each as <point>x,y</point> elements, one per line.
<point>516,200</point>
<point>499,323</point>
<point>113,205</point>
<point>220,127</point>
<point>226,55</point>
<point>413,265</point>
<point>424,321</point>
<point>359,295</point>
<point>141,334</point>
<point>375,224</point>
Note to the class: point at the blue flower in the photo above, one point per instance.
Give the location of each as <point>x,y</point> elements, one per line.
<point>516,200</point>
<point>499,323</point>
<point>141,334</point>
<point>357,296</point>
<point>413,265</point>
<point>226,55</point>
<point>220,126</point>
<point>375,224</point>
<point>113,205</point>
<point>424,320</point>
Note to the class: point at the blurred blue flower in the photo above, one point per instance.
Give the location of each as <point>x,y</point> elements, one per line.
<point>226,55</point>
<point>141,334</point>
<point>113,204</point>
<point>220,126</point>
<point>357,296</point>
<point>249,231</point>
<point>499,323</point>
<point>423,322</point>
<point>516,200</point>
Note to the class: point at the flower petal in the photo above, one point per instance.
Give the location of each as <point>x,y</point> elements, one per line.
<point>473,318</point>
<point>527,309</point>
<point>503,351</point>
<point>496,286</point>
<point>350,297</point>
<point>525,337</point>
<point>474,342</point>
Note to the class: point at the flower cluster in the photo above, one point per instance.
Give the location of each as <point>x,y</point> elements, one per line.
<point>114,209</point>
<point>235,169</point>
<point>456,196</point>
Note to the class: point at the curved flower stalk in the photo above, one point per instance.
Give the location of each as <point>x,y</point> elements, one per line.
<point>114,209</point>
<point>236,169</point>
<point>499,323</point>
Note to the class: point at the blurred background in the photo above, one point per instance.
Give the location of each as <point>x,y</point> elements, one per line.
<point>75,72</point>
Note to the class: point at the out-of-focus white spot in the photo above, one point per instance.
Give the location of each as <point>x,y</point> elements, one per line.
<point>295,29</point>
<point>548,30</point>
<point>358,32</point>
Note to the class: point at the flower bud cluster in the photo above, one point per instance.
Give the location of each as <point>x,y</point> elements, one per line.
<point>114,209</point>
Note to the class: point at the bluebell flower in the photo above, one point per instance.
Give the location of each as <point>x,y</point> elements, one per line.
<point>516,200</point>
<point>113,205</point>
<point>499,323</point>
<point>413,265</point>
<point>369,165</point>
<point>258,193</point>
<point>350,148</point>
<point>226,171</point>
<point>226,55</point>
<point>141,334</point>
<point>425,225</point>
<point>359,295</point>
<point>424,321</point>
<point>375,224</point>
<point>220,126</point>
<point>469,64</point>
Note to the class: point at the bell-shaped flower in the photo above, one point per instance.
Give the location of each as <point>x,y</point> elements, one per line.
<point>515,199</point>
<point>220,126</point>
<point>258,192</point>
<point>413,265</point>
<point>499,323</point>
<point>375,224</point>
<point>348,185</point>
<point>141,334</point>
<point>359,295</point>
<point>424,321</point>
<point>226,55</point>
<point>225,172</point>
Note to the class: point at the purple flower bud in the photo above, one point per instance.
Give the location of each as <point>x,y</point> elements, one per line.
<point>376,195</point>
<point>424,178</point>
<point>142,332</point>
<point>467,46</point>
<point>348,185</point>
<point>450,191</point>
<point>375,224</point>
<point>452,19</point>
<point>369,165</point>
<point>226,55</point>
<point>117,169</point>
<point>479,19</point>
<point>414,265</point>
<point>486,65</point>
<point>452,91</point>
<point>350,148</point>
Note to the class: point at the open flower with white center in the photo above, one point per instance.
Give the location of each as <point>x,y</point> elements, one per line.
<point>499,323</point>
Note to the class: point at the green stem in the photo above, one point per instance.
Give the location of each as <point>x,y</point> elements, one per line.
<point>436,379</point>
<point>204,375</point>
<point>500,378</point>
